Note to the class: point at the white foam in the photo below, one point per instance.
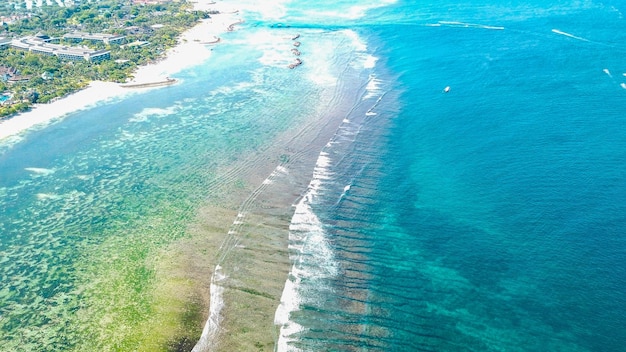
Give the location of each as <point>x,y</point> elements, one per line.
<point>275,11</point>
<point>351,13</point>
<point>146,113</point>
<point>454,23</point>
<point>47,196</point>
<point>319,72</point>
<point>39,171</point>
<point>623,85</point>
<point>308,239</point>
<point>469,25</point>
<point>322,78</point>
<point>138,118</point>
<point>289,301</point>
<point>323,161</point>
<point>287,330</point>
<point>370,61</point>
<point>372,89</point>
<point>211,327</point>
<point>373,84</point>
<point>273,58</point>
<point>358,44</point>
<point>569,35</point>
<point>498,28</point>
<point>311,254</point>
<point>273,46</point>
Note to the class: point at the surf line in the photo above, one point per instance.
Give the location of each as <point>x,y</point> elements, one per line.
<point>570,35</point>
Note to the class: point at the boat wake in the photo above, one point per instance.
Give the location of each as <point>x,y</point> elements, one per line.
<point>570,35</point>
<point>466,25</point>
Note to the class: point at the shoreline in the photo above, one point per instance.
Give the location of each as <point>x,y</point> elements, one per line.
<point>235,295</point>
<point>236,260</point>
<point>191,50</point>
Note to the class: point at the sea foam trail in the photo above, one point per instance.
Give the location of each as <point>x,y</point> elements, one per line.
<point>314,259</point>
<point>467,25</point>
<point>569,35</point>
<point>307,243</point>
<point>211,328</point>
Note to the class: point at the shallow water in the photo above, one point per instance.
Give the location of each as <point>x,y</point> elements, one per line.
<point>90,202</point>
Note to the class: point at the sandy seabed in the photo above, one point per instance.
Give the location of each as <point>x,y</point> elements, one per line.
<point>256,216</point>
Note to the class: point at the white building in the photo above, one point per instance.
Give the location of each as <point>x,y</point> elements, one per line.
<point>95,37</point>
<point>4,42</point>
<point>39,46</point>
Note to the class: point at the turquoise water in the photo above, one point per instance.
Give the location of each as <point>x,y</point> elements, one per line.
<point>90,202</point>
<point>487,218</point>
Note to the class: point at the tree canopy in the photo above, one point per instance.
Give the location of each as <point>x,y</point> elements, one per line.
<point>106,16</point>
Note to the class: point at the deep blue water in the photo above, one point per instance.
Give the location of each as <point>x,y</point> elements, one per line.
<point>487,218</point>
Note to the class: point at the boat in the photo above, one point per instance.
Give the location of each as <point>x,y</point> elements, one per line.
<point>446,89</point>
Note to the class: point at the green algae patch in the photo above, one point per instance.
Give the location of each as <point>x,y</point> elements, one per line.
<point>146,285</point>
<point>134,303</point>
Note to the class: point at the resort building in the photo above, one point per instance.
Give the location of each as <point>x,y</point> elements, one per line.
<point>94,37</point>
<point>39,46</point>
<point>4,42</point>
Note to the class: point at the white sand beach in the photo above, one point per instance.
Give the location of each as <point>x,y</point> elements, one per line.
<point>193,48</point>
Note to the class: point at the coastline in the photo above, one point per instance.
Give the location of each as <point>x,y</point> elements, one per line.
<point>197,254</point>
<point>42,114</point>
<point>237,305</point>
<point>191,50</point>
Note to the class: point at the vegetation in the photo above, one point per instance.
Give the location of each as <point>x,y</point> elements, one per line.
<point>51,77</point>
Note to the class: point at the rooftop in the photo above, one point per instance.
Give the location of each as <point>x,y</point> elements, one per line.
<point>101,37</point>
<point>38,45</point>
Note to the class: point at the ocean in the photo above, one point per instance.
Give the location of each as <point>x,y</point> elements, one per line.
<point>488,216</point>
